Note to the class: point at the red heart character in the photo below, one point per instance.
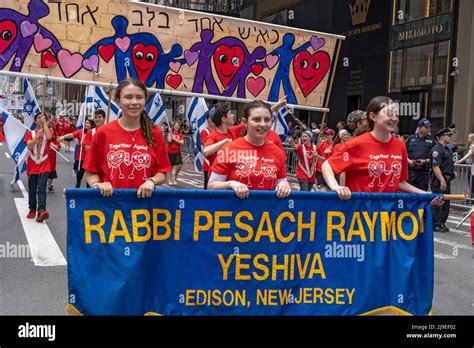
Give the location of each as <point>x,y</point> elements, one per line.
<point>106,52</point>
<point>7,34</point>
<point>227,61</point>
<point>310,69</point>
<point>174,80</point>
<point>144,59</point>
<point>48,60</point>
<point>257,69</point>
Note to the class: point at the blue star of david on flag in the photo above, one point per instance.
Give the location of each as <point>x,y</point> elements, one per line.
<point>28,107</point>
<point>97,104</point>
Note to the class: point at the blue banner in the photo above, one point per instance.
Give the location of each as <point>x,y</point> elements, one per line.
<point>187,252</point>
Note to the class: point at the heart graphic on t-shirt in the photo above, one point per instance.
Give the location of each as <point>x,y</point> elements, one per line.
<point>141,160</point>
<point>244,169</point>
<point>396,168</point>
<point>228,61</point>
<point>268,171</point>
<point>310,69</point>
<point>115,158</point>
<point>376,168</point>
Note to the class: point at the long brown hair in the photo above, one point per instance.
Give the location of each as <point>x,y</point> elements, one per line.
<point>145,122</point>
<point>375,105</point>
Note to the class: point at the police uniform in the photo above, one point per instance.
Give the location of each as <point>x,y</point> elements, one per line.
<point>419,148</point>
<point>442,157</point>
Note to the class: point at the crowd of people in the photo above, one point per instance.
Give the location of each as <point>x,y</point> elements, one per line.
<point>363,154</point>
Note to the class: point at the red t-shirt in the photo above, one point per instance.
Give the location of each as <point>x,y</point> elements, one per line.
<point>336,147</point>
<point>52,155</point>
<point>204,134</point>
<point>77,135</point>
<point>2,137</point>
<point>173,147</point>
<point>123,162</point>
<point>370,165</point>
<point>325,149</point>
<point>215,136</point>
<point>39,158</point>
<point>258,167</point>
<point>303,168</point>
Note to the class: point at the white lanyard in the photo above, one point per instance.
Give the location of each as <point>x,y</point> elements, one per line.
<point>306,169</point>
<point>36,156</point>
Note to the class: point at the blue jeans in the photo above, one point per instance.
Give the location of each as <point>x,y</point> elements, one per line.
<point>37,187</point>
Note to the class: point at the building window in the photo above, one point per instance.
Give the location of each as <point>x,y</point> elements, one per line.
<point>417,66</point>
<point>396,64</point>
<point>440,71</point>
<point>412,10</point>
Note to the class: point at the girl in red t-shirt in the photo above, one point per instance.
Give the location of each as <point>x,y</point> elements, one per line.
<point>305,172</point>
<point>81,152</point>
<point>251,162</point>
<point>128,152</point>
<point>375,161</point>
<point>175,141</point>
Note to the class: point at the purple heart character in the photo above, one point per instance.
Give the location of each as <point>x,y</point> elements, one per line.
<point>92,63</point>
<point>191,57</point>
<point>317,42</point>
<point>27,28</point>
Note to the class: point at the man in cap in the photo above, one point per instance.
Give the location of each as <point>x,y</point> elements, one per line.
<point>443,170</point>
<point>357,122</point>
<point>418,148</point>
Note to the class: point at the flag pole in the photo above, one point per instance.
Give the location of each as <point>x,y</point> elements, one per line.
<point>83,128</point>
<point>323,121</point>
<point>108,104</point>
<point>43,98</point>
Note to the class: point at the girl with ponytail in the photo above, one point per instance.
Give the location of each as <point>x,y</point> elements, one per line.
<point>128,152</point>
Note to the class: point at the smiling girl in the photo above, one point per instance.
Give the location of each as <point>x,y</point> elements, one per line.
<point>375,161</point>
<point>129,152</point>
<point>251,162</point>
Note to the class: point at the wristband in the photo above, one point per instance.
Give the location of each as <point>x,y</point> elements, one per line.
<point>153,180</point>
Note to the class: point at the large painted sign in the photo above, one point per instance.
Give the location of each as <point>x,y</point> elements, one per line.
<point>198,252</point>
<point>167,48</point>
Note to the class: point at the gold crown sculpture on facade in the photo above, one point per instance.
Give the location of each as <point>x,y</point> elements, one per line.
<point>359,11</point>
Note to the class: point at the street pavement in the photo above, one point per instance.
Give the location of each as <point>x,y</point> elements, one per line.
<point>29,289</point>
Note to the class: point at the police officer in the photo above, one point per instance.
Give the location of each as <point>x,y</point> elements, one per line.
<point>443,172</point>
<point>418,148</point>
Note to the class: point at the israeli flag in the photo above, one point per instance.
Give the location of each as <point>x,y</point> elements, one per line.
<point>156,110</point>
<point>197,119</point>
<point>31,106</point>
<point>101,102</point>
<point>14,134</point>
<point>281,126</point>
<point>97,99</point>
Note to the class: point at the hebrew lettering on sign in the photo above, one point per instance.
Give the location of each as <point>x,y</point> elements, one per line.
<point>166,48</point>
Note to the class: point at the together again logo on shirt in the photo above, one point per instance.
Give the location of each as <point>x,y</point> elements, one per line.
<point>378,168</point>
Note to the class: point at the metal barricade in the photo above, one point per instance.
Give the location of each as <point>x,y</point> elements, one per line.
<point>462,184</point>
<point>291,160</point>
<point>188,146</point>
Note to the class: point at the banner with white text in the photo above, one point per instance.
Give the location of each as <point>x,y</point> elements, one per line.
<point>190,252</point>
